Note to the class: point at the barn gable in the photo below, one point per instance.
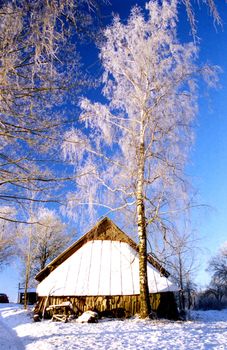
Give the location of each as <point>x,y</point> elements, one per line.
<point>103,230</point>
<point>102,262</point>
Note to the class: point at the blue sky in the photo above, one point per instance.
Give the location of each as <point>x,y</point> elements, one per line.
<point>208,163</point>
<point>209,157</point>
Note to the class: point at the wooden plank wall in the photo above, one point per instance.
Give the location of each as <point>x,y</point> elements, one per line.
<point>130,303</point>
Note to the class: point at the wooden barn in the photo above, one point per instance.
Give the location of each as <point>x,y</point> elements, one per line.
<point>101,271</point>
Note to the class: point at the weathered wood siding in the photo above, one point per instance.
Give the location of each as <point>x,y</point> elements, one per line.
<point>163,303</point>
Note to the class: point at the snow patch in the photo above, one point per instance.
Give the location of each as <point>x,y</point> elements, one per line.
<point>205,330</point>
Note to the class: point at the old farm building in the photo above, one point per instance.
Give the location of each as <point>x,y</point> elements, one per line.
<point>101,271</point>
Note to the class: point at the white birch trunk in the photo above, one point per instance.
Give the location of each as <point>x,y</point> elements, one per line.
<point>145,307</point>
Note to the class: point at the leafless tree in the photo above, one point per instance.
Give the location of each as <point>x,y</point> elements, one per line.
<point>217,290</point>
<point>7,237</point>
<point>40,70</point>
<point>190,9</point>
<point>50,238</point>
<point>218,268</point>
<point>178,251</point>
<point>40,242</point>
<point>135,146</point>
<point>218,265</point>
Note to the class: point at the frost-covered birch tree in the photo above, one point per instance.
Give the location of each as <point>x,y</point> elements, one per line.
<point>39,69</point>
<point>133,145</point>
<point>190,9</point>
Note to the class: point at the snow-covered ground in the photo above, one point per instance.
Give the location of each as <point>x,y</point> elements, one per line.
<point>207,330</point>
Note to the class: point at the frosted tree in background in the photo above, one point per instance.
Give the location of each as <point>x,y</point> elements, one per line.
<point>134,145</point>
<point>7,236</point>
<point>179,254</point>
<point>218,264</point>
<point>51,237</point>
<point>40,242</point>
<point>215,295</point>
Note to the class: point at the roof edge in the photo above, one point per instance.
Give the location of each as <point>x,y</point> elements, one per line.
<point>88,237</point>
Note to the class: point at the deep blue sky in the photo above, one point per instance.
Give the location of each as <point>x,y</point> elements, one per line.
<point>209,156</point>
<point>208,163</point>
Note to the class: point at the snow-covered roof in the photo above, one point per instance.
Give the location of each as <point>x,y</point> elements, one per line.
<point>104,261</point>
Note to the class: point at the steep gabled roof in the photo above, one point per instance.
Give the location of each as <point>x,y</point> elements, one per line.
<point>103,230</point>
